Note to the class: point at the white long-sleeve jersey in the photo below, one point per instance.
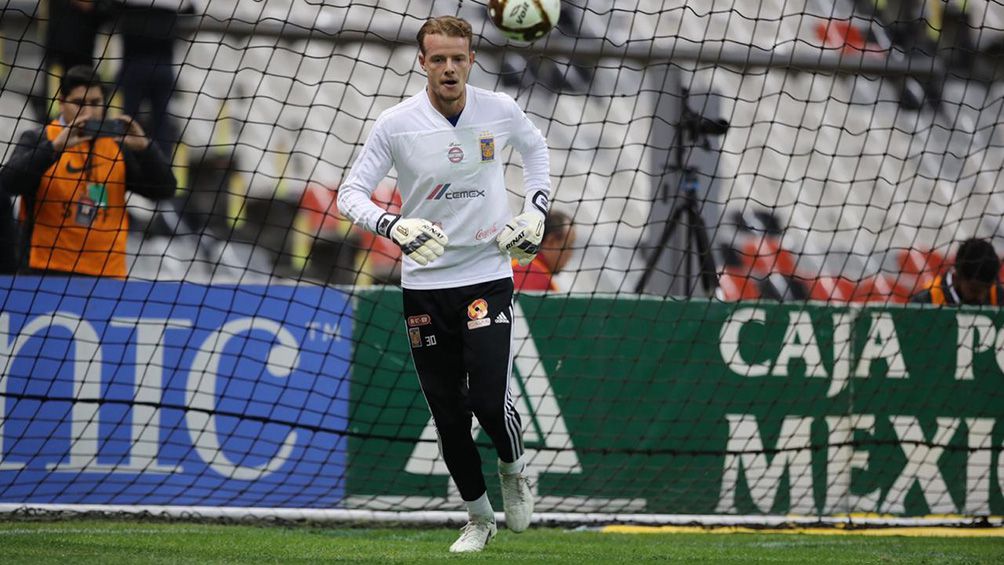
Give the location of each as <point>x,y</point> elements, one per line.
<point>452,176</point>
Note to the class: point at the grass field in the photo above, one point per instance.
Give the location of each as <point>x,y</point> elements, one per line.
<point>111,541</point>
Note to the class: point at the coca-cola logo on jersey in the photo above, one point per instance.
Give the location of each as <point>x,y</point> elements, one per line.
<point>455,154</point>
<point>486,233</point>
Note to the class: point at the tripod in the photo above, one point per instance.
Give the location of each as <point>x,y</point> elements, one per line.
<point>687,214</point>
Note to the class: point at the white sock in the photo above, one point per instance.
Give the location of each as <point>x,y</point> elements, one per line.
<point>514,467</point>
<point>480,509</point>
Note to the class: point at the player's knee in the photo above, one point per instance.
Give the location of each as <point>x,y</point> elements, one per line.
<point>448,423</point>
<point>453,429</point>
<point>489,414</point>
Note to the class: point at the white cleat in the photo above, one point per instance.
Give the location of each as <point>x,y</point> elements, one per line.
<point>474,536</point>
<point>517,499</point>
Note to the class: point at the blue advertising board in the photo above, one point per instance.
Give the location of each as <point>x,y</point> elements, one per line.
<point>122,392</point>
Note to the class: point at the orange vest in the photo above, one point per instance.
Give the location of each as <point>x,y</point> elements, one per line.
<point>80,223</point>
<point>938,293</point>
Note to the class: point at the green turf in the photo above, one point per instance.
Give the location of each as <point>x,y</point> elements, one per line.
<point>107,541</point>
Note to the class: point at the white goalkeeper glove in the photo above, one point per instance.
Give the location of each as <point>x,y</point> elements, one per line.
<point>418,238</point>
<point>521,237</point>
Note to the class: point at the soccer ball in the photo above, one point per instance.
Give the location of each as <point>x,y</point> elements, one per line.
<point>524,20</point>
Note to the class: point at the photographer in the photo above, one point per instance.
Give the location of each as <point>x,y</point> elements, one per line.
<point>72,176</point>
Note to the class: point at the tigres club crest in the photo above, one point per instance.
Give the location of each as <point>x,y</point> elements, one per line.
<point>487,142</point>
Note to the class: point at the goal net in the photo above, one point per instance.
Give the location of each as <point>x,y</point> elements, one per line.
<point>756,190</point>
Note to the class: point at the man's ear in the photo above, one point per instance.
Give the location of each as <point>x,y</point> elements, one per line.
<point>421,60</point>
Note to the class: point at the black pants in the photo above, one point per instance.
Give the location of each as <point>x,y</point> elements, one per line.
<point>147,72</point>
<point>461,342</point>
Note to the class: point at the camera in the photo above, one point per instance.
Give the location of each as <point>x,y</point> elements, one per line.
<point>699,125</point>
<point>105,128</point>
<point>696,127</point>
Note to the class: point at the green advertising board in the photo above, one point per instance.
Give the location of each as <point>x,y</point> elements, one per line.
<point>642,405</point>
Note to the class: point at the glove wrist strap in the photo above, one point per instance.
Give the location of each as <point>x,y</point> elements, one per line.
<point>536,201</point>
<point>386,223</point>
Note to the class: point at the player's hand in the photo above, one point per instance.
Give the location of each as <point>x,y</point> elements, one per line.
<point>418,238</point>
<point>521,237</point>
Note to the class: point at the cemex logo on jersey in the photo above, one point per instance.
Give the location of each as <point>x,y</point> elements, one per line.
<point>442,191</point>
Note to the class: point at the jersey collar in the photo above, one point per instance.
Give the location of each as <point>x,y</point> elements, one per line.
<point>463,113</point>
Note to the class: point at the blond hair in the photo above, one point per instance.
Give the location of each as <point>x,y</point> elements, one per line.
<point>450,26</point>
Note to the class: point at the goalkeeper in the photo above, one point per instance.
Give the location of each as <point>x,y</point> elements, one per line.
<point>445,143</point>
